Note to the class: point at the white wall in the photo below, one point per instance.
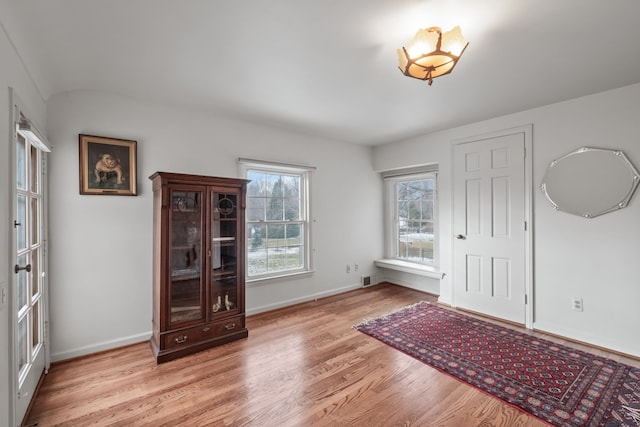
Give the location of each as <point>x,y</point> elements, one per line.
<point>596,259</point>
<point>101,245</point>
<point>409,280</point>
<point>12,74</point>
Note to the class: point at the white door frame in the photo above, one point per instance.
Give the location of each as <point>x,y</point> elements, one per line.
<point>527,130</point>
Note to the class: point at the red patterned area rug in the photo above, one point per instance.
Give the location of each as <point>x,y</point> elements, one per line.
<point>558,384</point>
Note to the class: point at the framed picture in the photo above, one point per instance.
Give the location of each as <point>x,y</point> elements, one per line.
<point>107,166</point>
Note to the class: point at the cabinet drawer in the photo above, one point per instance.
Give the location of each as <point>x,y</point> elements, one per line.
<point>227,326</point>
<point>184,337</point>
<point>196,334</point>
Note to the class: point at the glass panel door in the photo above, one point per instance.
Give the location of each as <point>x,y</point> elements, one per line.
<point>29,300</point>
<point>224,252</point>
<point>187,298</point>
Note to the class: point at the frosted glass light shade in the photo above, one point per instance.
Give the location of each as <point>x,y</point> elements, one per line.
<point>432,54</point>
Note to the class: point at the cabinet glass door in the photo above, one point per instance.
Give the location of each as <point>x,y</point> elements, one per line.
<point>224,253</point>
<point>186,256</point>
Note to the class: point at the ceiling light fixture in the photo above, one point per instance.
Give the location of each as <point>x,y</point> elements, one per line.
<point>432,54</point>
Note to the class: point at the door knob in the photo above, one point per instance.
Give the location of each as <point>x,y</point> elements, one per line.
<point>461,237</point>
<point>26,268</point>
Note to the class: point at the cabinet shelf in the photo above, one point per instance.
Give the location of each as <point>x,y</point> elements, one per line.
<point>183,247</point>
<point>182,275</point>
<point>218,273</point>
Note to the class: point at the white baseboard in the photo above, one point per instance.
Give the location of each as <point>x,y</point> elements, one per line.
<point>105,345</point>
<point>133,339</point>
<point>280,304</point>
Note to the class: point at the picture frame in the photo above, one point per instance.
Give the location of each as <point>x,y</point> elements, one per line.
<point>107,166</point>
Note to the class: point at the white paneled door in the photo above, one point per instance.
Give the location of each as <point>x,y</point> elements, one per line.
<point>489,226</point>
<point>29,302</point>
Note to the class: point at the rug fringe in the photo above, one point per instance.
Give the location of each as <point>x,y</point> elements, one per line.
<point>366,321</point>
<point>634,413</point>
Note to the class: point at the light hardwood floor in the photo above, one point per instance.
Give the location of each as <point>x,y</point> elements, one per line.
<point>301,366</point>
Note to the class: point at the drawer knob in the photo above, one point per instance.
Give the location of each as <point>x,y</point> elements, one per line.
<point>181,339</point>
<point>230,326</point>
<point>205,330</point>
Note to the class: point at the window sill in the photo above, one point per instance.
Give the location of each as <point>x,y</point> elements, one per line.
<point>409,267</point>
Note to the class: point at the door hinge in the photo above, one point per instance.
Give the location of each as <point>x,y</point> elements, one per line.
<point>526,300</point>
<point>525,226</point>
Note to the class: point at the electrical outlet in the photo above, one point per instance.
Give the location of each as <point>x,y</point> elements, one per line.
<point>355,267</point>
<point>348,268</point>
<point>576,304</point>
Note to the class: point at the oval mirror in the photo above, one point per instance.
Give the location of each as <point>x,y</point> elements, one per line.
<point>590,182</point>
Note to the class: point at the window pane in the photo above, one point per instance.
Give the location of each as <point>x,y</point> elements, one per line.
<point>276,259</point>
<point>21,230</point>
<point>35,232</point>
<point>275,234</point>
<point>292,209</point>
<point>415,213</point>
<point>256,234</point>
<point>294,234</point>
<point>291,189</point>
<point>22,343</point>
<point>21,280</point>
<point>21,163</point>
<point>35,274</point>
<point>413,227</point>
<point>402,191</point>
<point>292,185</point>
<point>257,186</point>
<point>34,169</point>
<point>294,257</point>
<point>257,262</point>
<point>277,185</point>
<point>427,209</point>
<point>256,208</point>
<point>275,209</point>
<point>35,333</point>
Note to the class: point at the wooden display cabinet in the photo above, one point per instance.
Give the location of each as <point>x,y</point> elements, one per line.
<point>198,263</point>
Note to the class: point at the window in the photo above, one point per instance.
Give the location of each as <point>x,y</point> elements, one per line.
<point>277,219</point>
<point>412,218</point>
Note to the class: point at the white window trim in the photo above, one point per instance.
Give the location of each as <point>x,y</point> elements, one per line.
<point>268,166</point>
<point>390,198</point>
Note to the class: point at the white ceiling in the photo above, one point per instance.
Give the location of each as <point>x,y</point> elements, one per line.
<point>329,67</point>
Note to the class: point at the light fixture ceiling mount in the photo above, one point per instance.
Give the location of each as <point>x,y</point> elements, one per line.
<point>432,54</point>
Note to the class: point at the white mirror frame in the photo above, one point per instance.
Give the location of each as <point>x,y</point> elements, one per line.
<point>589,182</point>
